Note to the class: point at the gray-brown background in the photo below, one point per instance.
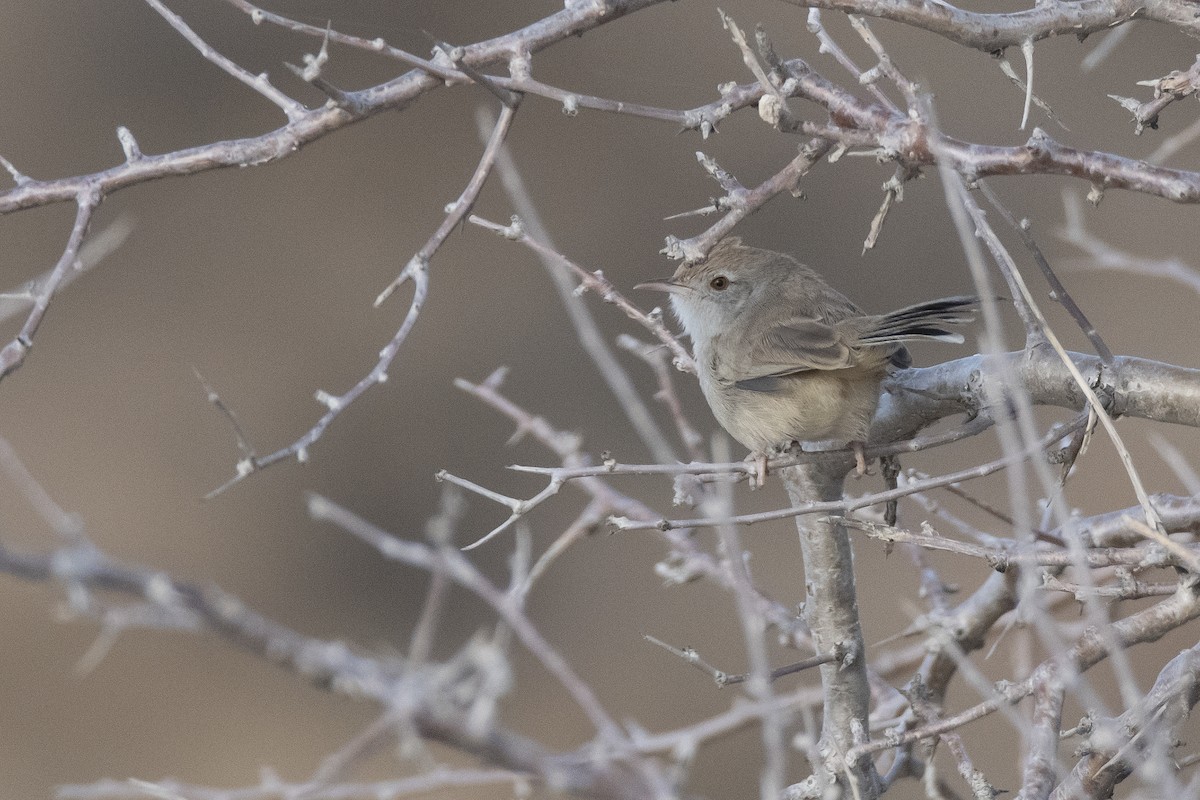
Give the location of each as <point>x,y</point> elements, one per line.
<point>263,280</point>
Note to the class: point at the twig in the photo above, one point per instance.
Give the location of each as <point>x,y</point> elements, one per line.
<point>1147,625</point>
<point>336,404</point>
<point>416,270</point>
<point>461,571</point>
<point>441,778</point>
<point>1003,558</point>
<point>830,45</point>
<point>459,209</point>
<point>1058,291</point>
<point>742,205</point>
<point>96,248</point>
<point>746,469</point>
<point>656,357</point>
<point>1187,557</point>
<point>703,118</point>
<point>722,679</point>
<point>14,353</point>
<point>593,341</point>
<point>1167,89</point>
<point>848,505</point>
<point>1100,408</point>
<point>1101,255</point>
<point>596,282</point>
<point>259,83</point>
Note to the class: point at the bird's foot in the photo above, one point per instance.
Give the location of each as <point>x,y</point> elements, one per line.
<point>860,458</point>
<point>758,478</point>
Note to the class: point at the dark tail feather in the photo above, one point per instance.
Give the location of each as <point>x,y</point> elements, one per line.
<point>924,321</point>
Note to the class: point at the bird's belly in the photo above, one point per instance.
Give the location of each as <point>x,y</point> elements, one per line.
<point>813,406</point>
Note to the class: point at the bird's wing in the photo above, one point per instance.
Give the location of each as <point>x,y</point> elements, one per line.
<point>796,344</point>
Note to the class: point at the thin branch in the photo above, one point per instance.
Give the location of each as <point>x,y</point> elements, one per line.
<point>742,204</point>
<point>1101,255</point>
<point>1058,291</point>
<point>14,353</point>
<point>847,505</point>
<point>591,338</point>
<point>259,83</point>
<point>656,357</point>
<point>466,575</point>
<point>596,282</point>
<point>745,469</point>
<point>1147,625</point>
<point>336,404</point>
<point>1010,555</point>
<point>1167,89</point>
<point>96,248</point>
<point>441,778</point>
<point>457,211</point>
<point>703,118</point>
<point>1099,407</point>
<point>416,270</point>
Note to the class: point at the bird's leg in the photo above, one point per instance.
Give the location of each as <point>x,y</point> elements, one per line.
<point>760,469</point>
<point>860,458</point>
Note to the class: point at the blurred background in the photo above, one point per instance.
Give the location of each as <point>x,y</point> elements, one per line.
<point>262,279</point>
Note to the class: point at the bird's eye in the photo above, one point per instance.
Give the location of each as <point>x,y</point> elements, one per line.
<point>720,283</point>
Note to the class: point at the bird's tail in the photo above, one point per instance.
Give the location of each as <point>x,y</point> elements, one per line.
<point>924,321</point>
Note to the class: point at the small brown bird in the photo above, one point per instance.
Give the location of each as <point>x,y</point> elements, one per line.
<point>784,357</point>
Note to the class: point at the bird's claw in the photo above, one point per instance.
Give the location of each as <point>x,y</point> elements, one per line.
<point>758,478</point>
<point>860,459</point>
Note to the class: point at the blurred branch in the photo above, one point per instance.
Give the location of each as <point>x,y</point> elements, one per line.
<point>1102,255</point>
<point>593,341</point>
<point>1147,625</point>
<point>429,698</point>
<point>274,789</point>
<point>1116,747</point>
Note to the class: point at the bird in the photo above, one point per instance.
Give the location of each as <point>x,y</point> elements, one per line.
<point>783,357</point>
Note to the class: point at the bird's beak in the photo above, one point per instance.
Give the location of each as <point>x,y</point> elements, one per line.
<point>662,285</point>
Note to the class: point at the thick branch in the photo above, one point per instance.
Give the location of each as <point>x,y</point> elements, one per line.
<point>992,32</point>
<point>1140,387</point>
<point>831,611</point>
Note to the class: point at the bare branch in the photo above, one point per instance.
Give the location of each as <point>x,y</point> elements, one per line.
<point>996,31</point>
<point>259,83</point>
<point>14,353</point>
<point>1167,89</point>
<point>596,282</point>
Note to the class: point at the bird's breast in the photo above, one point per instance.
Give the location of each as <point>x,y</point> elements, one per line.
<point>816,405</point>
